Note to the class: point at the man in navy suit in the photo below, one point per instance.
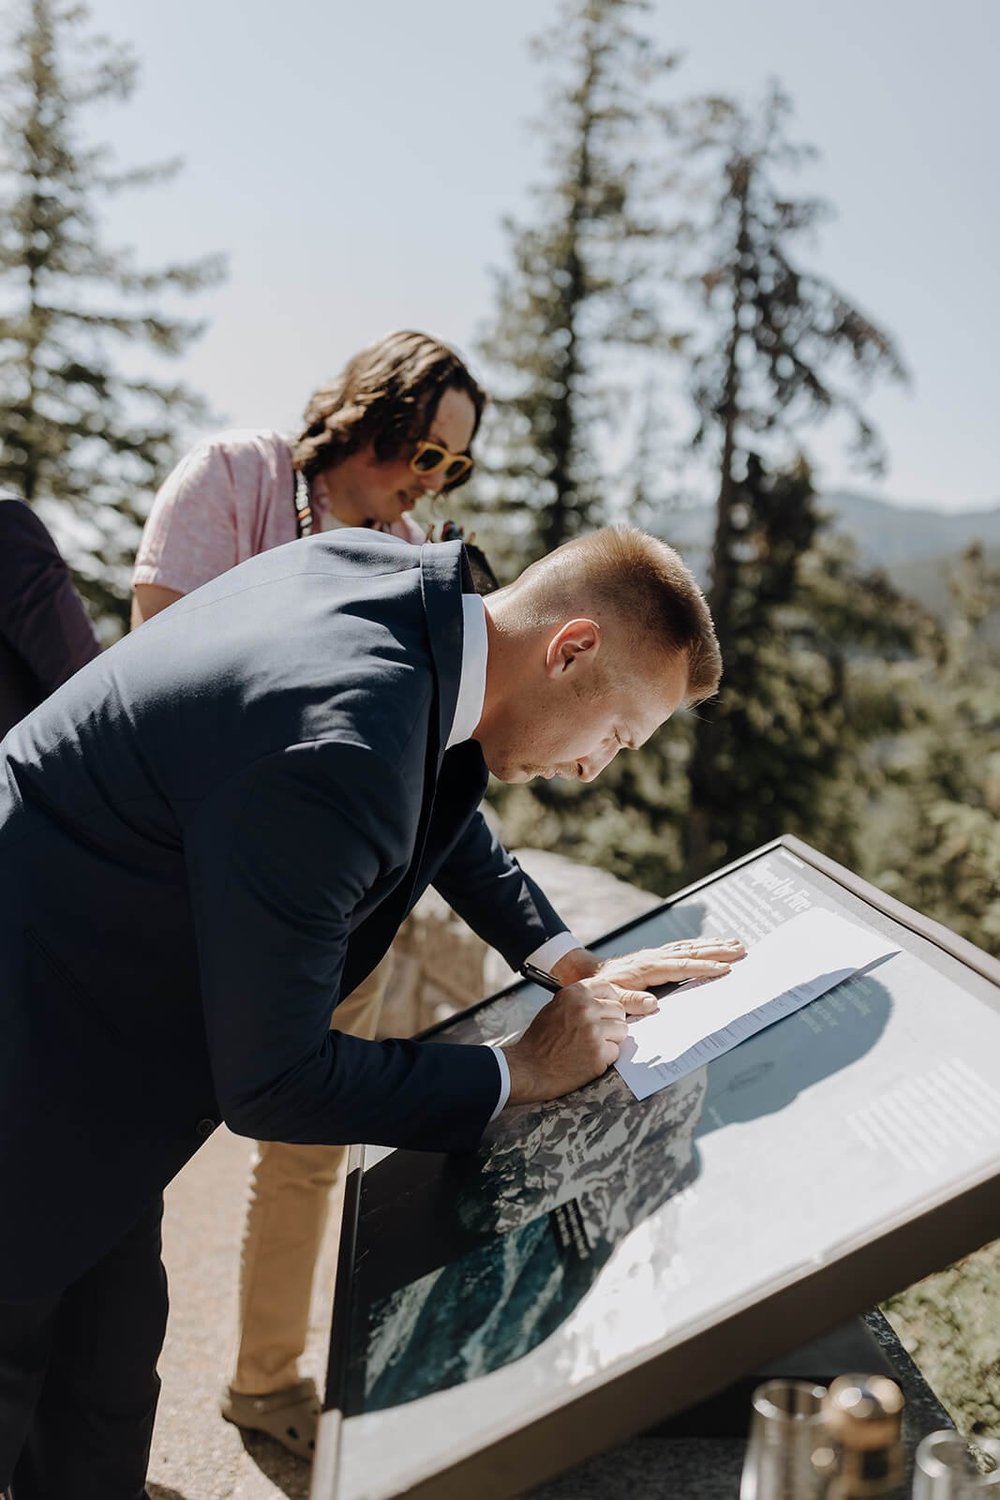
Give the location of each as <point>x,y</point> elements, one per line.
<point>218,825</point>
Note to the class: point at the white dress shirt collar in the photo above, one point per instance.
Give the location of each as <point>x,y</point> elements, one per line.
<point>472,683</point>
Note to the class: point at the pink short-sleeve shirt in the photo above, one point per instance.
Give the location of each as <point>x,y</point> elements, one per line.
<point>230,498</point>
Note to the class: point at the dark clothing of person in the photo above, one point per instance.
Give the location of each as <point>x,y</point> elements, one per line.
<point>78,1381</point>
<point>45,635</point>
<point>66,1372</point>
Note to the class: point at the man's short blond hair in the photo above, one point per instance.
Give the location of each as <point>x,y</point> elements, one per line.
<point>641,581</point>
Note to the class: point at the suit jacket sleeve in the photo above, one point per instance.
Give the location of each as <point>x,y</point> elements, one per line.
<point>279,858</point>
<point>41,616</point>
<point>486,886</point>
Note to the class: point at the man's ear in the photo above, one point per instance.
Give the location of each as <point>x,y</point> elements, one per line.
<point>573,645</point>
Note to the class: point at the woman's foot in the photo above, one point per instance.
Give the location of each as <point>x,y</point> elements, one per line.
<point>289,1415</point>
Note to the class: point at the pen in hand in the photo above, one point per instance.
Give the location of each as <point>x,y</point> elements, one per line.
<point>542,979</point>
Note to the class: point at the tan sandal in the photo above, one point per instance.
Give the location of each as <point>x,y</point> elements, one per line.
<point>289,1416</point>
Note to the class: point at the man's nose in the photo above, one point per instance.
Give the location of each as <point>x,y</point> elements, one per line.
<point>591,766</point>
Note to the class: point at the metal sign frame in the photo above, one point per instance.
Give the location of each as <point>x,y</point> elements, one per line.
<point>569,1428</point>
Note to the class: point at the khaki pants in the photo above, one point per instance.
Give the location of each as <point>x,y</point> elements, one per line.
<point>291,1188</point>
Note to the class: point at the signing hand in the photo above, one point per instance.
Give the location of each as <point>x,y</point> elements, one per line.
<point>573,1039</point>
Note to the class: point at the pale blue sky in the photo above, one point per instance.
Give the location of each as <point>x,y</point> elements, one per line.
<point>356,161</point>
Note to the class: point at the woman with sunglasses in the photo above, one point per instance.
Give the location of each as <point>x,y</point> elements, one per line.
<point>395,425</point>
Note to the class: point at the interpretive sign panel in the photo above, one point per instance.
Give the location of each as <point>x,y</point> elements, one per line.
<point>603,1261</point>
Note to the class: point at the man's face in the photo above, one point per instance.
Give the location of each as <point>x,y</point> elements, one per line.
<point>383,489</point>
<point>577,713</point>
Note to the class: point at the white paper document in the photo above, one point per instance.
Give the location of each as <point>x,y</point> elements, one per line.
<point>796,963</point>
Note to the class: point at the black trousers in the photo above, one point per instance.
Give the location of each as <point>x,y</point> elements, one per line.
<point>78,1381</point>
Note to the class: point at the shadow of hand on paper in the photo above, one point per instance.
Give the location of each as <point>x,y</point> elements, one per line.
<point>769,1071</point>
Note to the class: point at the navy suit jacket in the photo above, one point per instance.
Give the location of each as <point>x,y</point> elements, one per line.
<point>208,836</point>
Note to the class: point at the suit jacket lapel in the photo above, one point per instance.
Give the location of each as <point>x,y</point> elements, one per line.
<point>441,586</point>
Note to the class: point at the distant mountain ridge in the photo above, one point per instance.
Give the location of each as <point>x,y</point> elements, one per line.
<point>891,534</point>
<point>915,545</point>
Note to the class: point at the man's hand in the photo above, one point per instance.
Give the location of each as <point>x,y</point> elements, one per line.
<point>695,958</point>
<point>574,1039</point>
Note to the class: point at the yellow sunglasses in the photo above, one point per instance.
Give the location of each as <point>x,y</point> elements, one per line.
<point>432,458</point>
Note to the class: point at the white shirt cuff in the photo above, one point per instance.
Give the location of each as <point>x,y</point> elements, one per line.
<point>504,1081</point>
<point>553,950</point>
<point>544,957</point>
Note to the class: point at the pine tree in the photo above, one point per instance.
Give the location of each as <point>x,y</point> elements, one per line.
<point>937,843</point>
<point>578,291</point>
<point>810,635</point>
<point>776,332</point>
<point>79,434</point>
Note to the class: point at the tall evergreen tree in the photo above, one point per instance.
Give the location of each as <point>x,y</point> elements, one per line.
<point>578,290</point>
<point>784,348</point>
<point>810,634</point>
<point>938,829</point>
<point>78,432</point>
